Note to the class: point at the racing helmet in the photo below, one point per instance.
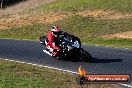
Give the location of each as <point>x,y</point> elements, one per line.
<point>55,30</point>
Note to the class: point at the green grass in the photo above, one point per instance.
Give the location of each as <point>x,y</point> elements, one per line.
<point>32,32</point>
<point>77,5</point>
<point>90,30</point>
<point>16,75</point>
<point>87,29</point>
<point>115,42</point>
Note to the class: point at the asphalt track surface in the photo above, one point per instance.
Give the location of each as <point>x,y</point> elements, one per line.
<point>106,60</point>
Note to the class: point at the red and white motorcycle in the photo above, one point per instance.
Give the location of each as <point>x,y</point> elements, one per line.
<point>70,47</point>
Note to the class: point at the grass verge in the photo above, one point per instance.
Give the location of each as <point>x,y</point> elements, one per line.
<point>115,42</point>
<point>77,5</point>
<point>16,75</point>
<point>88,29</point>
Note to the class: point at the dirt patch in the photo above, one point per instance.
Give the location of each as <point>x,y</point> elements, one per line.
<point>105,14</point>
<point>17,8</point>
<point>16,20</point>
<point>20,20</point>
<point>119,35</point>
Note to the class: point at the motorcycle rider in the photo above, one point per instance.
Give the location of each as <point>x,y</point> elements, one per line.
<point>51,40</point>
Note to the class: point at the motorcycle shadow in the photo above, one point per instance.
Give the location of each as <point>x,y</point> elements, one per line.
<point>93,60</point>
<point>97,60</point>
<point>77,59</point>
<point>71,60</point>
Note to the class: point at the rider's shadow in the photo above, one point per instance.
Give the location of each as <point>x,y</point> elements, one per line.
<point>96,60</point>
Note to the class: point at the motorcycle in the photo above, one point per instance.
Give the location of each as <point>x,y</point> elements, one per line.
<point>70,48</point>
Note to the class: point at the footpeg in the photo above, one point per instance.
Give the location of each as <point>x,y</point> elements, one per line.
<point>47,52</point>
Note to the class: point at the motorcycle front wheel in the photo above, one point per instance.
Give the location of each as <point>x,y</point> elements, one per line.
<point>85,56</point>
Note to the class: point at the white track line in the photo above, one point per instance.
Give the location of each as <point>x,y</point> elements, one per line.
<point>41,66</point>
<point>29,63</point>
<point>126,85</point>
<point>60,69</point>
<point>22,62</point>
<point>106,46</point>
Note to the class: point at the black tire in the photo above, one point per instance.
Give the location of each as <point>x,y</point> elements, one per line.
<point>85,56</point>
<point>81,80</point>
